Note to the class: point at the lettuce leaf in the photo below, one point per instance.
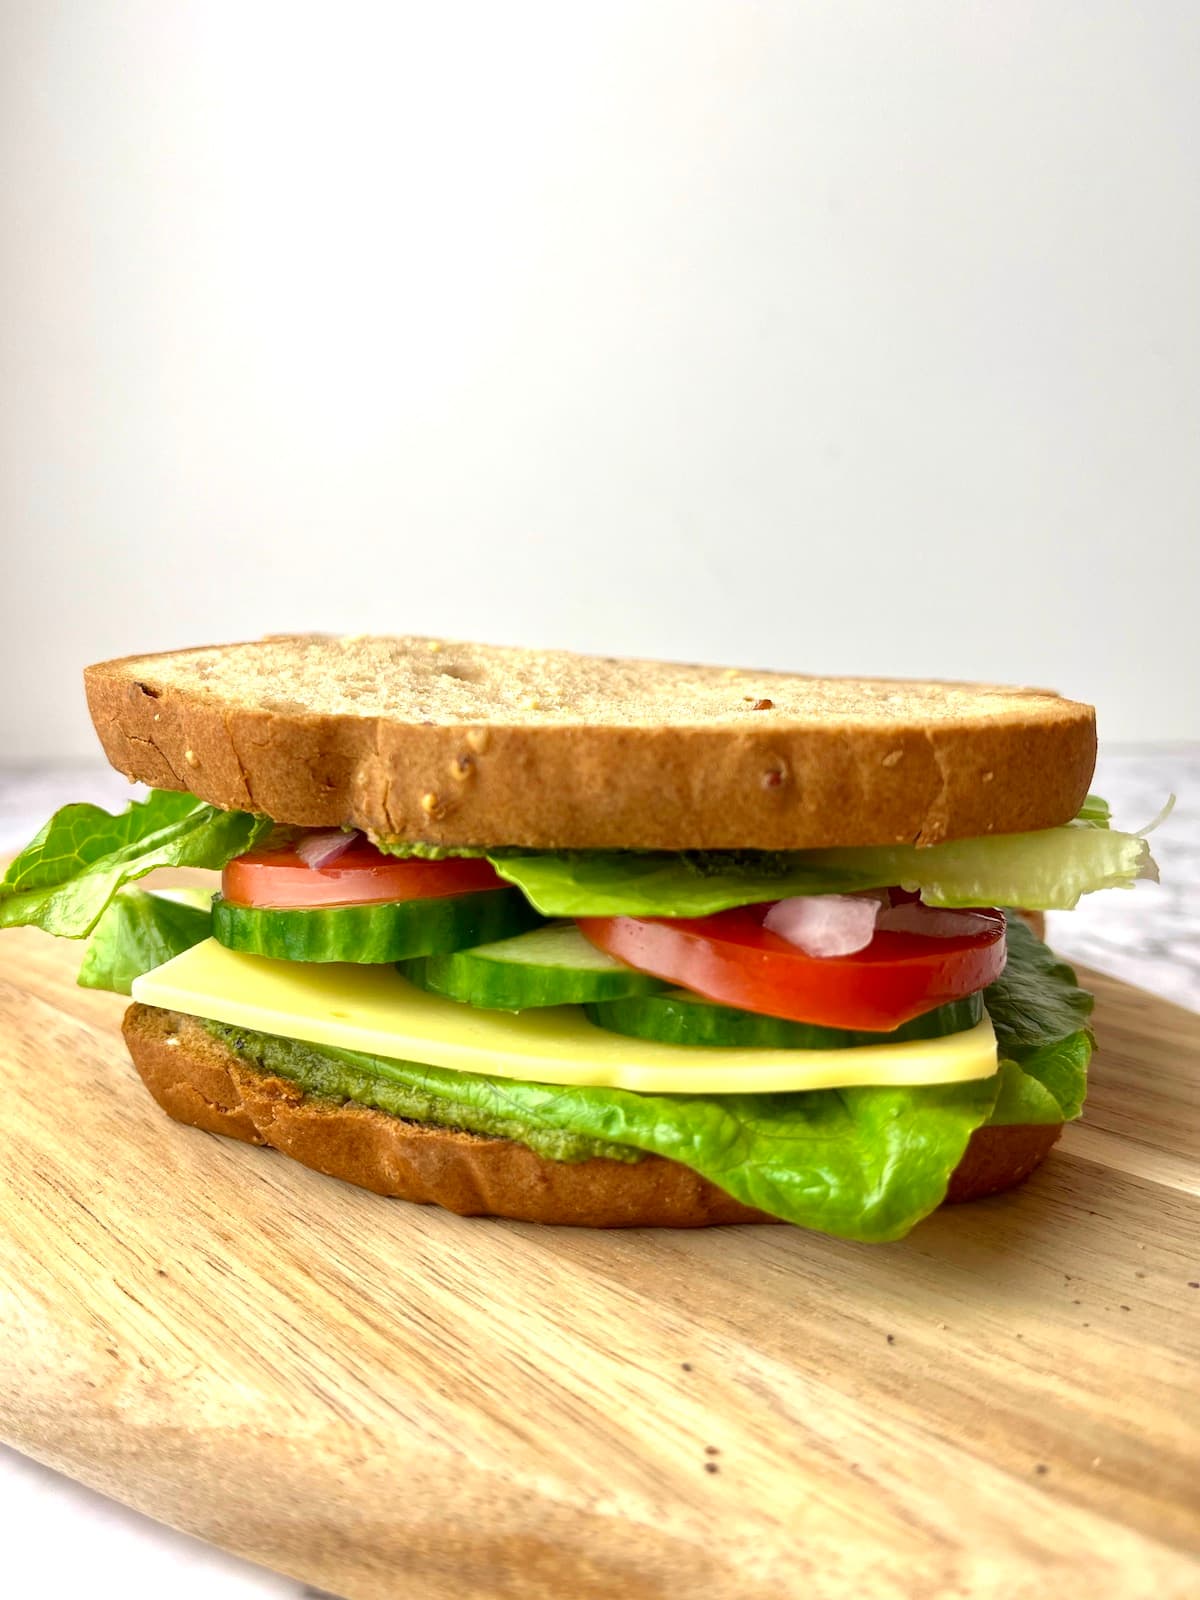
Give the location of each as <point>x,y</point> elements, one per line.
<point>1036,1001</point>
<point>1095,812</point>
<point>859,1163</point>
<point>1043,871</point>
<point>63,880</point>
<point>139,930</point>
<point>1043,1032</point>
<point>1049,1086</point>
<point>611,883</point>
<point>863,1164</point>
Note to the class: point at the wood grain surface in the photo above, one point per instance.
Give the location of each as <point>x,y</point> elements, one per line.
<point>387,1400</point>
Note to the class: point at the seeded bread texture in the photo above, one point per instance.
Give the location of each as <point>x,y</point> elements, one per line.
<point>451,744</point>
<point>197,1079</point>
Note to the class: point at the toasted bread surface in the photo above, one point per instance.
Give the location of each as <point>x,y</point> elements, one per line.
<point>450,743</point>
<point>198,1079</point>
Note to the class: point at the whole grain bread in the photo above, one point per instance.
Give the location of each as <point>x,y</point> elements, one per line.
<point>198,1079</point>
<point>451,743</point>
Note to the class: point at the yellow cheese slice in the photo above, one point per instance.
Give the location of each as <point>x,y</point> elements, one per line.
<point>374,1010</point>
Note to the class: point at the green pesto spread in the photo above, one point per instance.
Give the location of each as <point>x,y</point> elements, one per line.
<point>395,1087</point>
<point>417,849</point>
<point>703,863</point>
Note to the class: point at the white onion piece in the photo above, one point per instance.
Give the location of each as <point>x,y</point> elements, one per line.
<point>319,849</point>
<point>825,924</point>
<point>931,922</point>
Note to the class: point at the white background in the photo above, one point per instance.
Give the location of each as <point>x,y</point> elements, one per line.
<point>855,337</point>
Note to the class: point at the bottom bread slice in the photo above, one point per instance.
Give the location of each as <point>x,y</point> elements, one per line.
<point>196,1078</point>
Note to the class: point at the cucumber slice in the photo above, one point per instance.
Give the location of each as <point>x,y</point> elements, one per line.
<point>552,966</point>
<point>392,930</point>
<point>680,1017</point>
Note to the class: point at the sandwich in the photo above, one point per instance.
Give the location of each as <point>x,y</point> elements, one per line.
<point>580,940</point>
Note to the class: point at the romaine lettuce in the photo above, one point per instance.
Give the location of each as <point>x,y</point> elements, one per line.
<point>1043,871</point>
<point>1095,812</point>
<point>1043,1033</point>
<point>63,880</point>
<point>139,930</point>
<point>612,883</point>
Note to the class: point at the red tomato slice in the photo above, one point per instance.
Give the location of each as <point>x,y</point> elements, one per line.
<point>361,875</point>
<point>731,957</point>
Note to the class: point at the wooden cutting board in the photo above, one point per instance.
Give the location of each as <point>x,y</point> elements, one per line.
<point>387,1400</point>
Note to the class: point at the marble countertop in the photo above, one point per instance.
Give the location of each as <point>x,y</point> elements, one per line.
<point>1150,937</point>
<point>62,1538</point>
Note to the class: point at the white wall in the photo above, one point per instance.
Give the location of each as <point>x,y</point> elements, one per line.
<point>843,336</point>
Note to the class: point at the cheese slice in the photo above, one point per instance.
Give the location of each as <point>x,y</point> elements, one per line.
<point>374,1010</point>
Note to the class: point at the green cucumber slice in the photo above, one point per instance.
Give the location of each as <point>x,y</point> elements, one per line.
<point>552,966</point>
<point>392,930</point>
<point>680,1017</point>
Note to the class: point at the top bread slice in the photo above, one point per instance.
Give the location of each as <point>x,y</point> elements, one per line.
<point>447,743</point>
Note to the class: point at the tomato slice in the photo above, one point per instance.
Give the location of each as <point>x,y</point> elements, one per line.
<point>731,957</point>
<point>361,875</point>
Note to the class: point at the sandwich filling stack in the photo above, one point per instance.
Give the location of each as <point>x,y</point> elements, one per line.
<point>581,940</point>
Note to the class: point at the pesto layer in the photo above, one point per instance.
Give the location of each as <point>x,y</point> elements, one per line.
<point>395,1087</point>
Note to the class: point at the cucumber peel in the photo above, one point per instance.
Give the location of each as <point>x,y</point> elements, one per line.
<point>552,966</point>
<point>389,930</point>
<point>680,1017</point>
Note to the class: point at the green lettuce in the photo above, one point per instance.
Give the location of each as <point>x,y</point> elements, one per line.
<point>611,883</point>
<point>139,930</point>
<point>1043,1033</point>
<point>1043,871</point>
<point>859,1163</point>
<point>1095,812</point>
<point>63,880</point>
<point>1049,1086</point>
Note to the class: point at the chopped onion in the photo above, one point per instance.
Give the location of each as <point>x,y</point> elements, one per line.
<point>930,922</point>
<point>319,849</point>
<point>825,924</point>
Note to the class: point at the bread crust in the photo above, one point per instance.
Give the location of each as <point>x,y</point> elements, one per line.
<point>450,743</point>
<point>197,1079</point>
